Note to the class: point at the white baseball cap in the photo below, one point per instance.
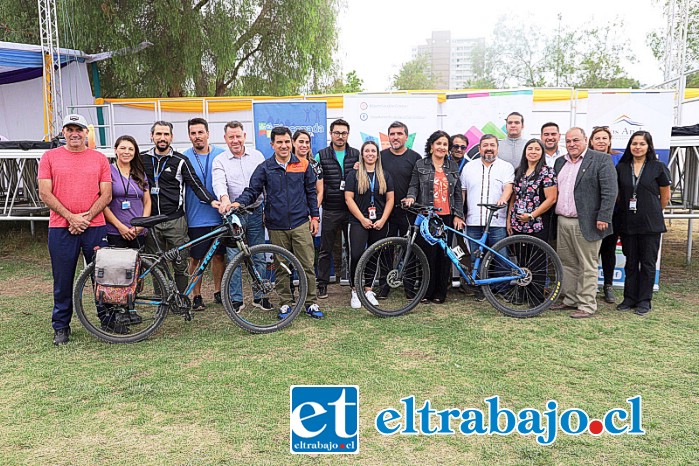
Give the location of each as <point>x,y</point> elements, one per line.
<point>75,119</point>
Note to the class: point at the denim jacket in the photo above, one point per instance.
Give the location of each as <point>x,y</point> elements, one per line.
<point>422,185</point>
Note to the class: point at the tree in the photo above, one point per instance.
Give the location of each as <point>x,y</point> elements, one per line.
<point>657,42</point>
<point>204,47</point>
<point>352,83</point>
<point>414,74</point>
<point>482,62</point>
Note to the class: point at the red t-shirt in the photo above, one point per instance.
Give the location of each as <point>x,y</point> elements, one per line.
<point>441,193</point>
<point>75,178</point>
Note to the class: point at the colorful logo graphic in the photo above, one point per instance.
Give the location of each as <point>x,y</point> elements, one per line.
<point>324,419</point>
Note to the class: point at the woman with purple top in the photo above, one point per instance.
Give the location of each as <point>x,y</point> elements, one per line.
<point>130,196</point>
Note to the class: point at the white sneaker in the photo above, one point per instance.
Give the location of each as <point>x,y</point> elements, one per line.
<point>371,297</point>
<point>354,302</point>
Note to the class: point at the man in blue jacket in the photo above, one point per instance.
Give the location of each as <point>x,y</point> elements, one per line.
<point>291,211</point>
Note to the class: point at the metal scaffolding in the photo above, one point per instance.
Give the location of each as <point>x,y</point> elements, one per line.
<point>53,98</point>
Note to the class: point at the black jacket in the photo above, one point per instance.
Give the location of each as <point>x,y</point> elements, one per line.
<point>333,197</point>
<point>422,185</point>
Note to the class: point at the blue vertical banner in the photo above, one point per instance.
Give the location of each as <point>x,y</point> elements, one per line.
<point>308,115</point>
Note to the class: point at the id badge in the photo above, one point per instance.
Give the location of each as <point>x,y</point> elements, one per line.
<point>632,204</point>
<point>125,205</point>
<point>342,185</point>
<point>155,190</point>
<point>372,213</point>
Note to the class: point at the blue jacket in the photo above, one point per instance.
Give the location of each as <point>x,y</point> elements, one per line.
<point>290,195</point>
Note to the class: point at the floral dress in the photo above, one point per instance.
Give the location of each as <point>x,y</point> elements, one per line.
<point>529,195</point>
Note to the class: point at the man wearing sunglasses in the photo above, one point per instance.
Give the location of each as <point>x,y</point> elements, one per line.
<point>336,160</point>
<point>459,146</point>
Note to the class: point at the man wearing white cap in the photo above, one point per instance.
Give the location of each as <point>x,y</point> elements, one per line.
<point>76,184</point>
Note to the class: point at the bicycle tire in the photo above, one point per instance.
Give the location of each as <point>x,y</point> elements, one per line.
<point>534,293</point>
<point>251,317</point>
<point>386,253</point>
<point>154,287</point>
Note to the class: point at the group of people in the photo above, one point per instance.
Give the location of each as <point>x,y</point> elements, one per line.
<point>569,198</point>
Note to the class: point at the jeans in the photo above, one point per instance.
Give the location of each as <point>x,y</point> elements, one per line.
<point>495,234</point>
<point>255,234</point>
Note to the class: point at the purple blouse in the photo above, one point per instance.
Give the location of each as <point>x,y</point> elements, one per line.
<point>124,189</point>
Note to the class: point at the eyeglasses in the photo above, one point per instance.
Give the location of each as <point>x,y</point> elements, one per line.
<point>340,133</point>
<point>457,146</point>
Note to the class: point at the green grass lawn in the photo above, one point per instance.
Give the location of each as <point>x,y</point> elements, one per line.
<point>206,392</point>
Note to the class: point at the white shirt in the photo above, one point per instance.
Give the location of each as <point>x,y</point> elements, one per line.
<point>231,174</point>
<point>551,159</point>
<point>485,185</point>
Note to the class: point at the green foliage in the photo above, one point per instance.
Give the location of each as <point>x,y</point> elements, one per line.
<point>206,47</point>
<point>352,83</point>
<point>414,74</point>
<point>657,41</point>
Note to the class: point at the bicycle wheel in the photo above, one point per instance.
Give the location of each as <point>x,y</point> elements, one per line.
<point>254,303</point>
<point>537,290</point>
<point>399,286</point>
<point>118,324</point>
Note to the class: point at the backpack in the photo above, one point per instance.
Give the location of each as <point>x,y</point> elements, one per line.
<point>116,276</point>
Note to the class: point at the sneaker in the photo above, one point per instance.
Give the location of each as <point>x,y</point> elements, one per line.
<point>262,303</point>
<point>134,319</point>
<point>217,298</point>
<point>284,312</point>
<point>198,304</point>
<point>61,336</point>
<point>383,293</point>
<point>115,326</point>
<point>609,294</point>
<point>314,311</point>
<point>238,306</point>
<point>322,291</point>
<point>371,297</point>
<point>354,301</point>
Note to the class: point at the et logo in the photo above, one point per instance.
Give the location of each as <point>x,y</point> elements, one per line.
<point>324,419</point>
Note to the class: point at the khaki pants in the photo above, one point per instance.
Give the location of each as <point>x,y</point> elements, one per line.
<point>579,259</point>
<point>300,242</point>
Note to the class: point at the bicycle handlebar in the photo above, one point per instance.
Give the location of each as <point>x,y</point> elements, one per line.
<point>419,208</point>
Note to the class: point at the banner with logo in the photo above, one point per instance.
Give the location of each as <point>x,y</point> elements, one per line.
<point>370,115</point>
<point>298,114</point>
<point>478,113</point>
<point>626,112</point>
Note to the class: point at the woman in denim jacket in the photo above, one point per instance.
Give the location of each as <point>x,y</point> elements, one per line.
<point>435,182</point>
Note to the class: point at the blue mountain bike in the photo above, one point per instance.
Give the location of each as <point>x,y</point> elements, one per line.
<point>520,275</point>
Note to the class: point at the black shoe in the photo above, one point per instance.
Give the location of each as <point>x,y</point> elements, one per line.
<point>238,306</point>
<point>217,298</point>
<point>134,319</point>
<point>641,310</point>
<point>609,294</point>
<point>198,304</point>
<point>61,336</point>
<point>479,296</point>
<point>383,292</point>
<point>115,326</point>
<point>263,304</point>
<point>322,291</point>
<point>624,306</point>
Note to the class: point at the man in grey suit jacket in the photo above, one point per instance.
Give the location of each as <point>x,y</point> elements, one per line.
<point>587,191</point>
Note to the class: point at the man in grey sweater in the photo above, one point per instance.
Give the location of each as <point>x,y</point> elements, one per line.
<point>512,146</point>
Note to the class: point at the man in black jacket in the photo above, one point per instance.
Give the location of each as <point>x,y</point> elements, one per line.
<point>168,171</point>
<point>336,160</point>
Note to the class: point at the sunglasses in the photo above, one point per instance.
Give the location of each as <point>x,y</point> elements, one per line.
<point>462,147</point>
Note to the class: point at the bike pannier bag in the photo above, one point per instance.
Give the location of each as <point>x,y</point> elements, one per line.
<point>116,276</point>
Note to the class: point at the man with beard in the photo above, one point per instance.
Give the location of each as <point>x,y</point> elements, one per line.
<point>201,218</point>
<point>550,135</point>
<point>398,161</point>
<point>487,180</point>
<point>76,184</point>
<point>458,146</point>
<point>168,172</point>
<point>513,144</point>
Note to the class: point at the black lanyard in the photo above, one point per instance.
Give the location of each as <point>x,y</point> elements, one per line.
<point>635,179</point>
<point>125,185</point>
<point>206,164</point>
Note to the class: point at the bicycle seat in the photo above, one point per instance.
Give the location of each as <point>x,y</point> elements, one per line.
<point>493,207</point>
<point>148,222</point>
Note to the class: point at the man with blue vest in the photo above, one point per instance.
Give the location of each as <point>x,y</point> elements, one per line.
<point>201,217</point>
<point>336,160</point>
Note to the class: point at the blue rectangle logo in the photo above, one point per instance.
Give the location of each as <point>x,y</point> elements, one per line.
<point>324,418</point>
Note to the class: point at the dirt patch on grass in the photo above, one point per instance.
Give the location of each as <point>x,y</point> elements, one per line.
<point>25,285</point>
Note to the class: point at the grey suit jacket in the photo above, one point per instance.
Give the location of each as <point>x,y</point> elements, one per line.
<point>595,192</point>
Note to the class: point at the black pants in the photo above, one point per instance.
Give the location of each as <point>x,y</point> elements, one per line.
<point>118,241</point>
<point>360,239</point>
<point>334,221</point>
<point>641,253</point>
<point>538,263</point>
<point>440,265</point>
<point>607,252</point>
<point>398,222</point>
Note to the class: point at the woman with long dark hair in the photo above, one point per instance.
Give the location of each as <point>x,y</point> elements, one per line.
<point>130,196</point>
<point>535,192</point>
<point>301,147</point>
<point>644,192</point>
<point>369,198</point>
<point>601,141</point>
<point>435,182</point>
